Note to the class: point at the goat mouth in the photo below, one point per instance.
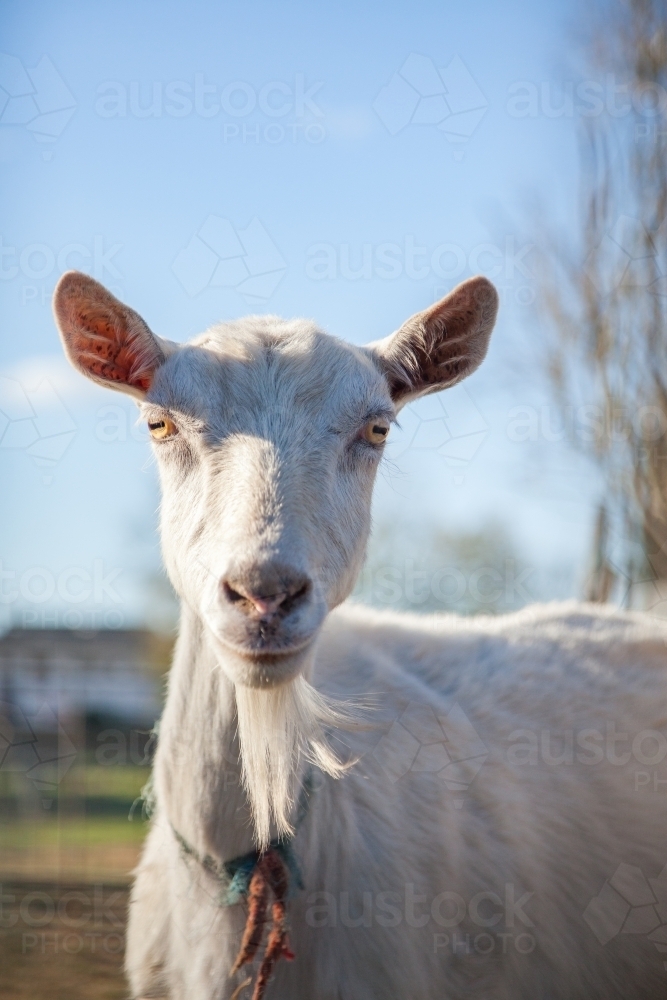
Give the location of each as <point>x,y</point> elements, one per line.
<point>262,651</point>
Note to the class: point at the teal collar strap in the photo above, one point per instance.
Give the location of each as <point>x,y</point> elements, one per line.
<point>234,876</point>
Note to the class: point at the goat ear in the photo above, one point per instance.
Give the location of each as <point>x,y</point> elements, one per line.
<point>441,345</point>
<point>103,338</point>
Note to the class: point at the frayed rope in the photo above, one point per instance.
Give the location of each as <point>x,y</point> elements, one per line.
<point>270,876</point>
<point>253,878</point>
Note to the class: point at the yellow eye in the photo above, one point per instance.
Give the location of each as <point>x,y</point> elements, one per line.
<point>376,431</point>
<point>160,429</point>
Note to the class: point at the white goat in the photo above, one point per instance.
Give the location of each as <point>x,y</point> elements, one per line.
<point>412,877</point>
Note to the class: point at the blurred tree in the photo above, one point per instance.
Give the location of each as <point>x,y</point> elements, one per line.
<point>605,298</point>
<point>428,570</point>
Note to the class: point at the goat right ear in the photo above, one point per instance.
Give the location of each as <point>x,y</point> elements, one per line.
<point>440,346</point>
<point>105,339</point>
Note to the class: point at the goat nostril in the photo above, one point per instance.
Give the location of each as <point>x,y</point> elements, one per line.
<point>265,605</point>
<point>254,605</point>
<point>299,594</point>
<point>233,596</point>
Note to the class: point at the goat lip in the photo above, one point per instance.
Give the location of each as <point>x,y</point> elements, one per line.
<point>266,654</point>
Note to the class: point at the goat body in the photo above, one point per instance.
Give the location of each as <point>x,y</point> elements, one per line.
<point>417,886</point>
<point>498,829</point>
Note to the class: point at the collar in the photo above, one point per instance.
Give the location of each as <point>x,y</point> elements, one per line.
<point>234,876</point>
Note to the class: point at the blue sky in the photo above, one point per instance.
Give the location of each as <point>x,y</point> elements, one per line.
<point>341,161</point>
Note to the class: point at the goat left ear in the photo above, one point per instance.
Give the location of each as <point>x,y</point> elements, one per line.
<point>103,338</point>
<point>441,345</point>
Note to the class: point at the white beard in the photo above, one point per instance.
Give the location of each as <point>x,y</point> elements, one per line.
<point>279,728</point>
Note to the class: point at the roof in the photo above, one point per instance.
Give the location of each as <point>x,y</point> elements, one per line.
<point>84,646</point>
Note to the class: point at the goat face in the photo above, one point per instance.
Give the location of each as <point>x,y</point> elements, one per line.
<point>268,436</point>
<point>267,466</point>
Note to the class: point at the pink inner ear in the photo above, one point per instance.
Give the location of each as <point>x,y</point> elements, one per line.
<point>104,338</point>
<point>111,347</point>
<point>443,344</point>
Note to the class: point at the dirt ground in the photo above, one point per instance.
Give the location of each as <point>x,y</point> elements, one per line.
<point>63,905</point>
<point>62,941</point>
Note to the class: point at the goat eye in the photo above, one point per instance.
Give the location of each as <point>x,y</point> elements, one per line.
<point>376,431</point>
<point>160,429</point>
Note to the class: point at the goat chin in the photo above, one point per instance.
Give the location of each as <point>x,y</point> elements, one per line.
<point>281,729</point>
<point>245,669</point>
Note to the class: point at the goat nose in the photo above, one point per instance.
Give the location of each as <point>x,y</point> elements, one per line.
<point>279,593</point>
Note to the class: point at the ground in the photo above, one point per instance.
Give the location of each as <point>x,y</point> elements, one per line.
<point>64,882</point>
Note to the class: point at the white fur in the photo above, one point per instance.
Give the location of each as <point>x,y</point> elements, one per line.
<point>559,832</point>
<point>414,890</point>
<point>279,728</point>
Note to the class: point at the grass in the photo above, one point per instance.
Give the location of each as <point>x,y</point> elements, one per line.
<point>84,833</point>
<point>81,848</point>
<point>111,779</point>
<point>120,781</point>
<point>72,831</point>
<point>82,843</point>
